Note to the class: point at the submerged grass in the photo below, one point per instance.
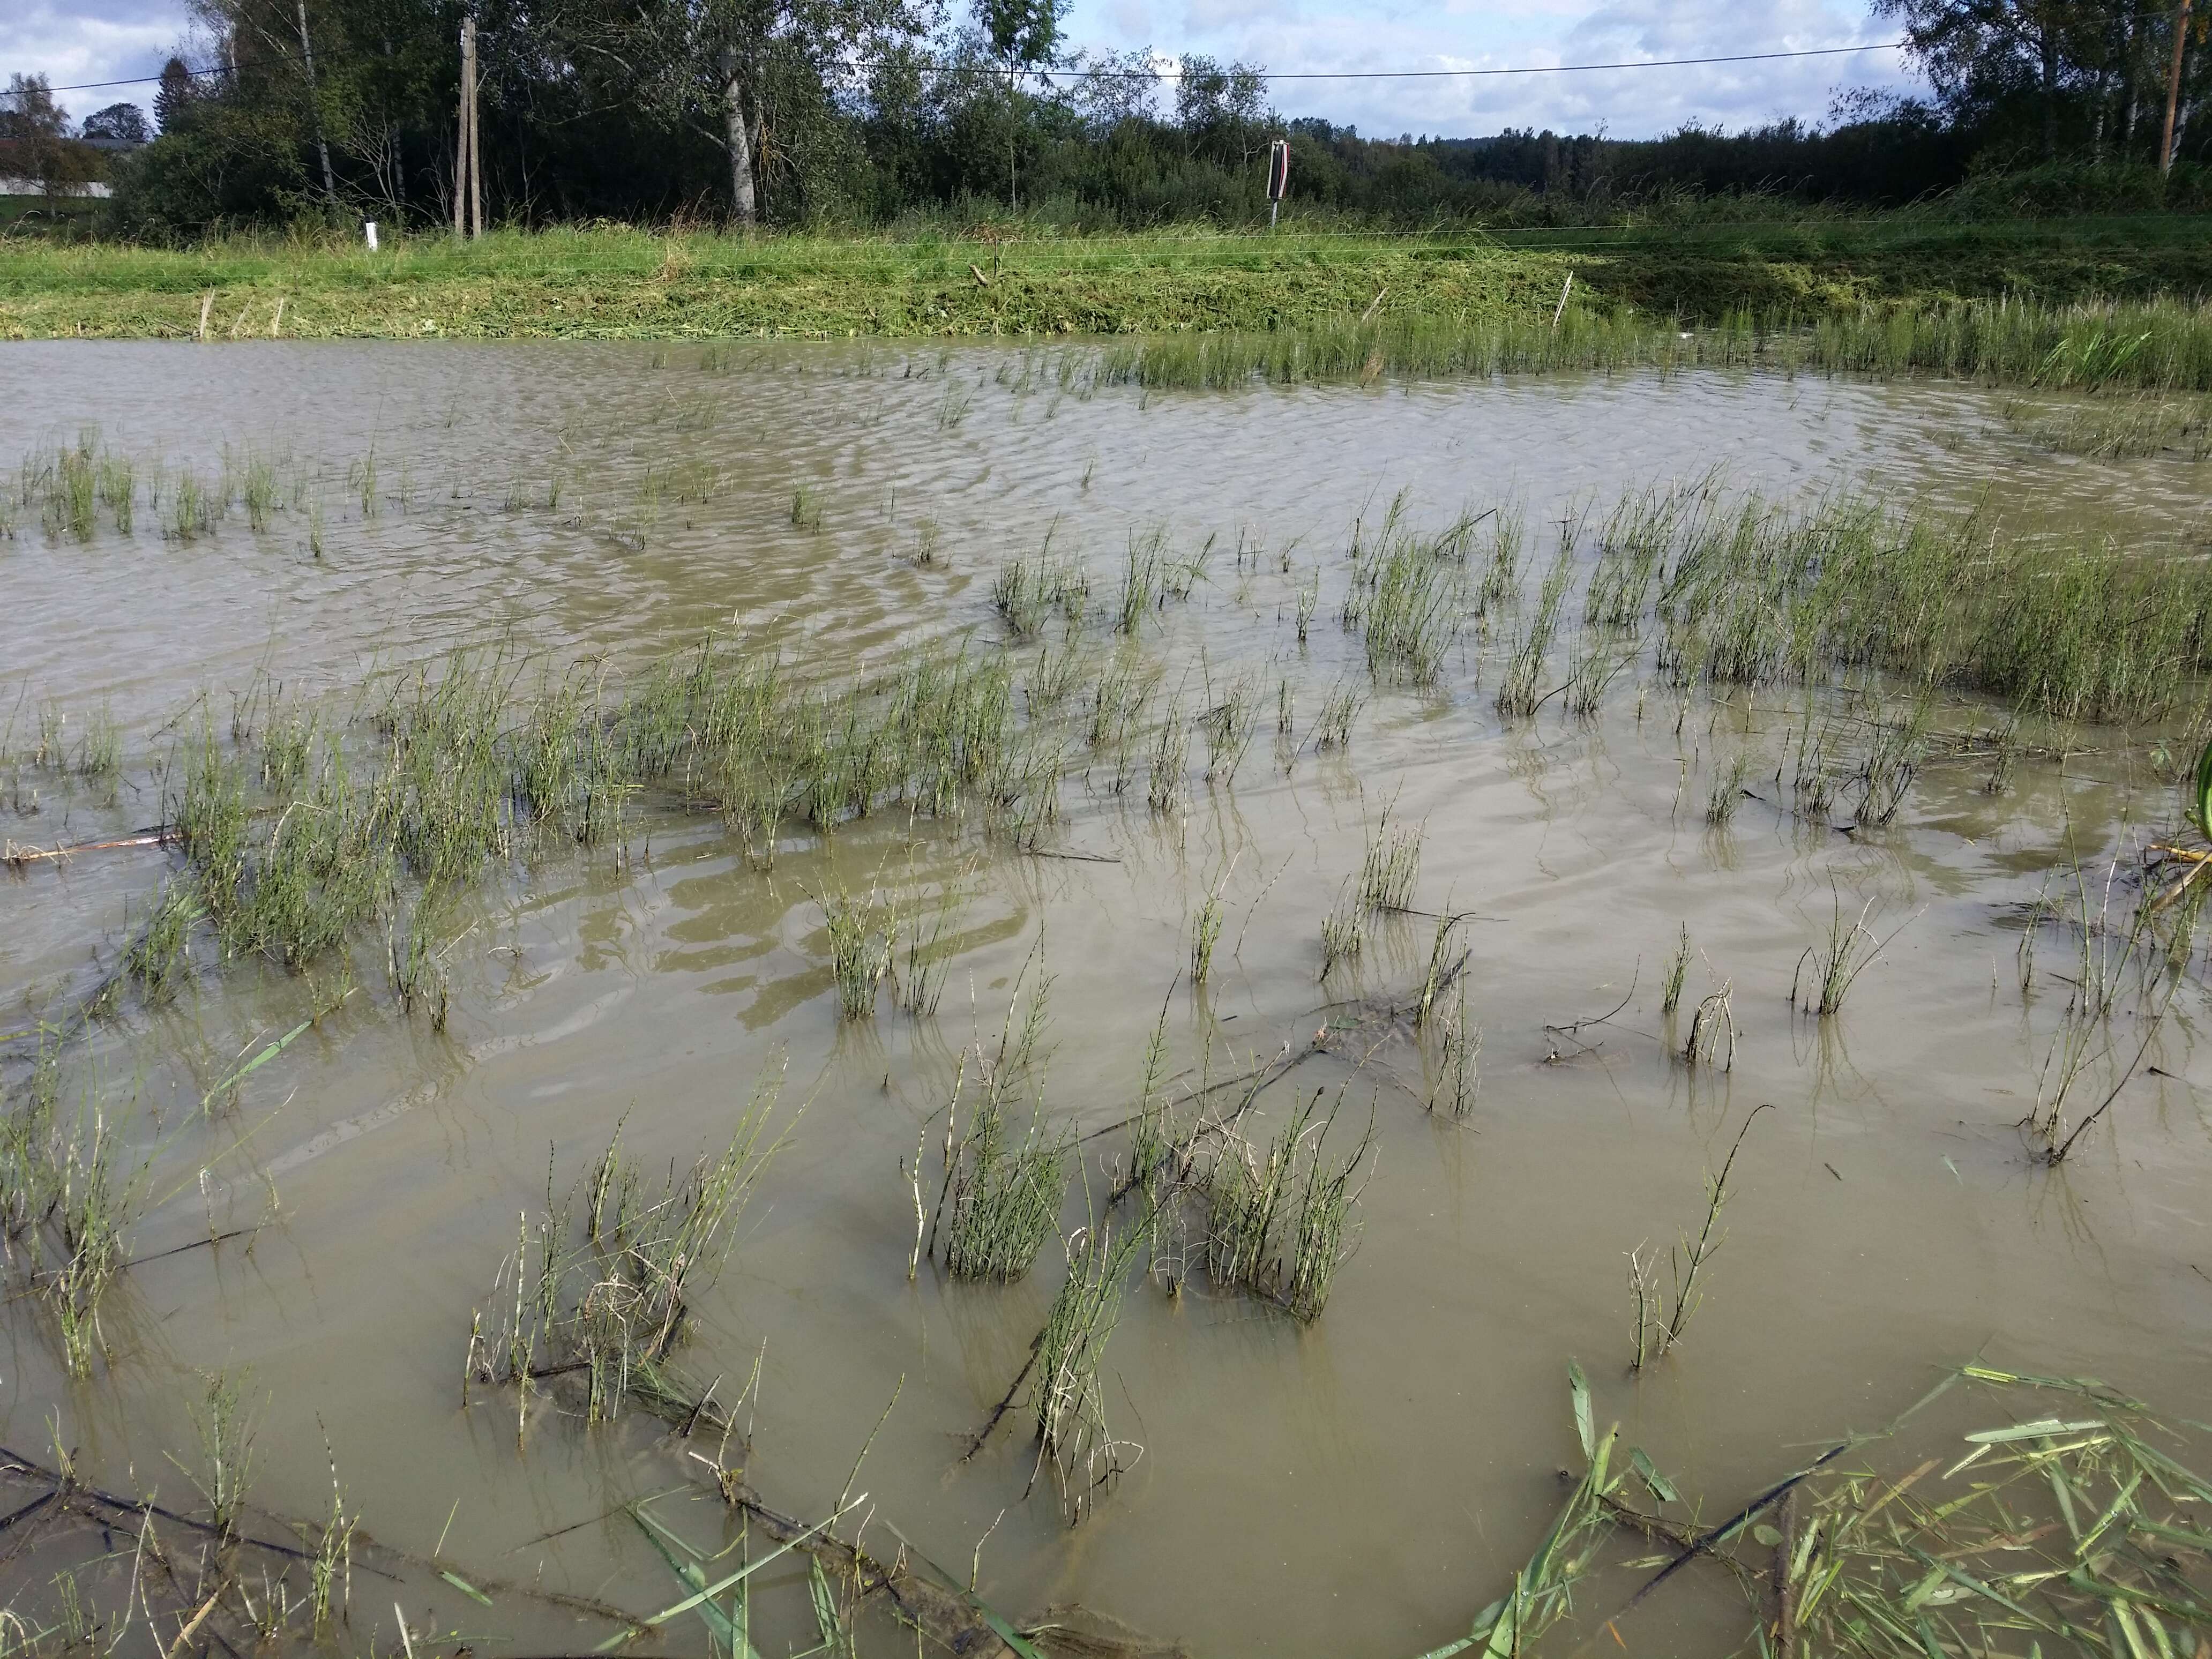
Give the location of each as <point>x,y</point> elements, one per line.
<point>2163,344</point>
<point>1757,594</point>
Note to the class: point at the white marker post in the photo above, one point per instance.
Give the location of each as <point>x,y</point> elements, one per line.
<point>1278,177</point>
<point>369,225</point>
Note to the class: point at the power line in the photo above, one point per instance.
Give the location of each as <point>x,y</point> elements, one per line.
<point>1179,73</point>
<point>1530,68</point>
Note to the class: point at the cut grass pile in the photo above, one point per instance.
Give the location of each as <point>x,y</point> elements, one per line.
<point>2071,1526</point>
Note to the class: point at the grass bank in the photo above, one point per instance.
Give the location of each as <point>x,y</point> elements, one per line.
<point>621,283</point>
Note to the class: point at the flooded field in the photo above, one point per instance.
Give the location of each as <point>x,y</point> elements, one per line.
<point>1328,874</point>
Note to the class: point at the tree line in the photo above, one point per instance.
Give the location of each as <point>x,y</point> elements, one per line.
<point>869,112</point>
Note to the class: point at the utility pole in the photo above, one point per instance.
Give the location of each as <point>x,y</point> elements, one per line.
<point>461,139</point>
<point>468,167</point>
<point>2173,86</point>
<point>315,102</point>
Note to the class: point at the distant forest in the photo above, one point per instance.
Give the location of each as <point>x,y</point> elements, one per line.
<point>883,113</point>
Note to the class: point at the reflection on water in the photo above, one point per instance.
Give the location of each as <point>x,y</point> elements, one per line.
<point>1364,1482</point>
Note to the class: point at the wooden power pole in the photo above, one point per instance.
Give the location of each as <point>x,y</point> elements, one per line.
<point>2173,85</point>
<point>468,162</point>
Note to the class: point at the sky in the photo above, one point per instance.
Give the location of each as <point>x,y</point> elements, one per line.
<point>71,41</point>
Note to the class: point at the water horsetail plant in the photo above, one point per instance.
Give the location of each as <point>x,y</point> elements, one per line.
<point>1390,868</point>
<point>193,511</point>
<point>612,1307</point>
<point>1501,577</point>
<point>1066,1401</point>
<point>1593,666</point>
<point>1660,1320</point>
<point>1712,1031</point>
<point>863,942</point>
<point>159,957</point>
<point>1053,680</point>
<point>118,488</point>
<point>360,479</point>
<point>1837,962</point>
<point>330,1568</point>
<point>806,508</point>
<point>1277,1220</point>
<point>1309,601</point>
<point>1678,967</point>
<point>225,1431</point>
<point>1029,592</point>
<point>1002,1195</point>
<point>928,958</point>
<point>1118,702</point>
<point>1411,611</point>
<point>1230,725</point>
<point>1459,1075</point>
<point>1170,761</point>
<point>72,497</point>
<point>1518,696</point>
<point>83,1229</point>
<point>1444,965</point>
<point>1339,707</point>
<point>1343,933</point>
<point>1205,930</point>
<point>1892,761</point>
<point>1143,582</point>
<point>415,965</point>
<point>1725,792</point>
<point>257,489</point>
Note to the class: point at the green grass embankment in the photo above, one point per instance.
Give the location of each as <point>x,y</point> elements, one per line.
<point>615,283</point>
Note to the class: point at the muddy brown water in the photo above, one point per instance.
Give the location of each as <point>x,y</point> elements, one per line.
<point>1360,1485</point>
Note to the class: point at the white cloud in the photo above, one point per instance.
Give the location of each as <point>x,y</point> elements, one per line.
<point>90,40</point>
<point>78,40</point>
<point>1289,37</point>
